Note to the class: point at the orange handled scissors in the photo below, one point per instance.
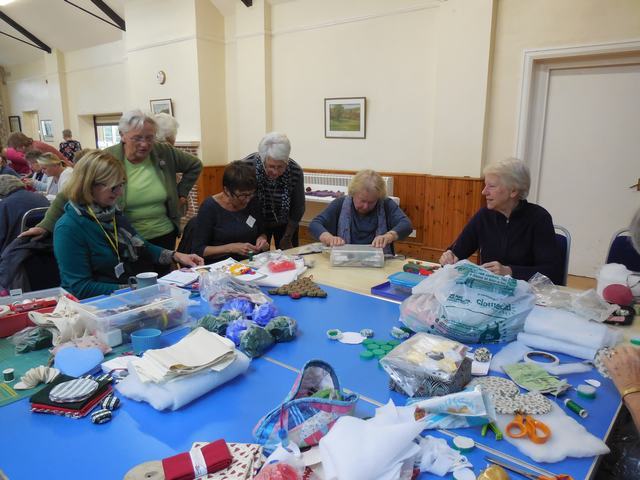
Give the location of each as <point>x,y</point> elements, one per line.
<point>523,425</point>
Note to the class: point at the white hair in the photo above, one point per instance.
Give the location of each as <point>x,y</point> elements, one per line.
<point>275,146</point>
<point>513,173</point>
<point>634,229</point>
<point>167,126</point>
<point>134,119</point>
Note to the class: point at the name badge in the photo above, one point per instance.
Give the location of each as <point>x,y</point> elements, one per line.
<point>119,269</point>
<point>251,221</point>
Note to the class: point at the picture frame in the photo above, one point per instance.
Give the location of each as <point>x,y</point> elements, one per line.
<point>345,117</point>
<point>164,105</point>
<point>14,124</point>
<point>46,129</point>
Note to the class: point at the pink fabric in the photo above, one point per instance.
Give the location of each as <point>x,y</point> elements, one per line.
<point>18,163</point>
<point>45,147</point>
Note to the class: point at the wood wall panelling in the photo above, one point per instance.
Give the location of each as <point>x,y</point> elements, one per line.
<point>439,207</point>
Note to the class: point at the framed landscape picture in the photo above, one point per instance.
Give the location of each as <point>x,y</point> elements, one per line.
<point>161,106</point>
<point>14,124</point>
<point>345,117</point>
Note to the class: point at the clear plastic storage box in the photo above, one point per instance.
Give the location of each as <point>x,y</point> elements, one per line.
<point>357,256</point>
<point>158,306</point>
<point>403,282</point>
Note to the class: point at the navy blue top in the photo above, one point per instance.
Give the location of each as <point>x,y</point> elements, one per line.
<point>217,226</point>
<point>12,208</point>
<point>525,241</point>
<point>363,227</point>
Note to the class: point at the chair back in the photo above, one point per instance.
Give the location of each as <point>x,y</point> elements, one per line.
<point>563,240</point>
<point>32,217</point>
<point>621,251</point>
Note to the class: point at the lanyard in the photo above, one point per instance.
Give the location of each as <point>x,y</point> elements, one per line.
<point>115,232</point>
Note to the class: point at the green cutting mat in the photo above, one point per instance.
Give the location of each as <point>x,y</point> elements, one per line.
<point>25,361</point>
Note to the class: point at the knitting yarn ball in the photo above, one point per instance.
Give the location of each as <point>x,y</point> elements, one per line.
<point>101,416</point>
<point>618,294</point>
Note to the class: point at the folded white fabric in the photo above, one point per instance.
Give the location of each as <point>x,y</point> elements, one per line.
<point>34,376</point>
<point>569,327</point>
<point>568,438</point>
<point>439,458</point>
<point>181,391</point>
<point>199,350</point>
<point>64,322</point>
<point>381,448</point>
<point>539,342</point>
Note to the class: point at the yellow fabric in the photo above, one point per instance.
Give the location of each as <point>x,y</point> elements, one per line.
<point>145,200</point>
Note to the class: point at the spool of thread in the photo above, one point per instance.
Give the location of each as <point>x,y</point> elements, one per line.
<point>575,408</point>
<point>8,374</point>
<point>541,358</point>
<point>586,391</point>
<point>334,334</point>
<point>463,444</point>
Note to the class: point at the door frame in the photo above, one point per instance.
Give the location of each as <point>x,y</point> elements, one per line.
<point>537,66</point>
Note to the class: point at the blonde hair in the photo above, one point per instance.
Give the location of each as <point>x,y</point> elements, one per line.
<point>95,166</point>
<point>370,181</point>
<point>513,174</point>
<point>46,159</point>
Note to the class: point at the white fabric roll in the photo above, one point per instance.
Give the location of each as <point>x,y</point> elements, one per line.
<point>539,342</point>
<point>177,393</point>
<point>566,326</point>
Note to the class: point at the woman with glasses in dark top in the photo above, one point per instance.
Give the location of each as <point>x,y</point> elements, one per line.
<point>230,224</point>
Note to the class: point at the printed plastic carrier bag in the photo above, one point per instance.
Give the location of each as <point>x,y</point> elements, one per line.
<point>310,409</point>
<point>468,303</point>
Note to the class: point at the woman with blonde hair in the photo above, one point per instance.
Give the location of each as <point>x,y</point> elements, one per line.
<point>95,245</point>
<point>513,237</point>
<point>365,216</point>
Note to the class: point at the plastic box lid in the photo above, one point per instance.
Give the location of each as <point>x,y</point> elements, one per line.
<point>357,256</point>
<point>405,279</point>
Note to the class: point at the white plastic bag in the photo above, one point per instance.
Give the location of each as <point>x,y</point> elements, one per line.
<point>467,303</point>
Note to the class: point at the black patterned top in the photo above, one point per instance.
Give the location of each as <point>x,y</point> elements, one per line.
<point>69,149</point>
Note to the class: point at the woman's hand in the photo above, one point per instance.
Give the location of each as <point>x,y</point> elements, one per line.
<point>497,268</point>
<point>262,244</point>
<point>448,258</point>
<point>624,367</point>
<point>28,181</point>
<point>285,243</point>
<point>383,240</point>
<point>188,259</point>
<point>330,240</point>
<point>37,232</point>
<point>242,248</point>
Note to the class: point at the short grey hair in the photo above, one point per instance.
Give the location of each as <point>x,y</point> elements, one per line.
<point>134,119</point>
<point>513,173</point>
<point>167,126</point>
<point>275,146</point>
<point>370,181</point>
<point>66,133</point>
<point>634,229</point>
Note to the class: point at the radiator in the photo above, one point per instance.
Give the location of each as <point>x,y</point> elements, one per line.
<point>337,182</point>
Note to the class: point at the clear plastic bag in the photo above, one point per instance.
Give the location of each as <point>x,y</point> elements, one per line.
<point>218,288</point>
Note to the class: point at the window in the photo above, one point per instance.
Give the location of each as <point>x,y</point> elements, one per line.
<point>107,133</point>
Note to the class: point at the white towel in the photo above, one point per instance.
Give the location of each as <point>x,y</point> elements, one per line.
<point>538,342</point>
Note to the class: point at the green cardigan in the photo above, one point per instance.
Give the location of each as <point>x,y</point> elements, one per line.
<point>168,161</point>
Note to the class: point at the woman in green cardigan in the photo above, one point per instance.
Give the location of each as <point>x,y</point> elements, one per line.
<point>95,245</point>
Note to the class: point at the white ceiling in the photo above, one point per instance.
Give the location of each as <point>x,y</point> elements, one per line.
<point>58,25</point>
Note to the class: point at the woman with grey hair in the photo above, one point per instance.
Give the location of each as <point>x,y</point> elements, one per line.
<point>280,189</point>
<point>365,216</point>
<point>513,237</point>
<point>167,128</point>
<point>152,199</point>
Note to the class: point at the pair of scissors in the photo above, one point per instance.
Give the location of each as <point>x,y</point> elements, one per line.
<point>526,425</point>
<point>525,474</point>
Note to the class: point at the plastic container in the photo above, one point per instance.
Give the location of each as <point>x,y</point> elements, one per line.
<point>145,339</point>
<point>403,282</point>
<point>357,256</point>
<point>159,306</point>
<point>12,323</point>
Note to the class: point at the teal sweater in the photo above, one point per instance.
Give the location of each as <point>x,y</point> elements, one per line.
<point>85,257</point>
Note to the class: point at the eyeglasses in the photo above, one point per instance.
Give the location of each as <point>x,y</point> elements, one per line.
<point>145,139</point>
<point>243,196</point>
<point>113,189</point>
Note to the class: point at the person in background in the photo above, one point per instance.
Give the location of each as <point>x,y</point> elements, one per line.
<point>56,171</point>
<point>167,128</point>
<point>230,222</point>
<point>37,180</point>
<point>16,201</point>
<point>280,189</point>
<point>69,147</point>
<point>6,169</point>
<point>95,245</point>
<point>366,216</point>
<point>18,144</point>
<point>513,237</point>
<point>152,199</point>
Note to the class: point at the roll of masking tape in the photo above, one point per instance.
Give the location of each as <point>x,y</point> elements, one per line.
<point>463,444</point>
<point>586,391</point>
<point>541,358</point>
